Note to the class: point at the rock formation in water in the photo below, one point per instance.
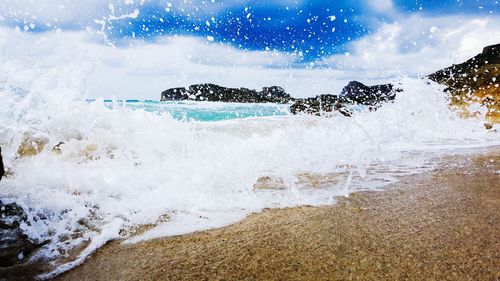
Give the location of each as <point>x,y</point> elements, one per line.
<point>212,92</point>
<point>355,93</point>
<point>475,81</point>
<point>320,105</point>
<point>15,247</point>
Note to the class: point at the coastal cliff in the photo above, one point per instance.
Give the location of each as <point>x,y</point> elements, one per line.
<point>474,81</point>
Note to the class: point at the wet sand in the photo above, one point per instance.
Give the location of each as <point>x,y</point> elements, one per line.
<point>442,225</point>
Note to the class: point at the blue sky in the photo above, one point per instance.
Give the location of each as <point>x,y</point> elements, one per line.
<point>138,48</point>
<point>313,30</point>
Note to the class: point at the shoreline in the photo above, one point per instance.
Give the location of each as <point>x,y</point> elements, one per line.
<point>442,224</point>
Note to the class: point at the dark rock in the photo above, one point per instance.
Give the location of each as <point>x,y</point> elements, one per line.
<point>455,75</point>
<point>320,105</point>
<point>212,92</point>
<point>2,168</point>
<point>175,94</point>
<point>275,92</point>
<point>474,81</point>
<point>355,93</point>
<point>15,247</point>
<point>358,93</point>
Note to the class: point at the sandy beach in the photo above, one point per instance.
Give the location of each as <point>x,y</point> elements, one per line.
<point>442,225</point>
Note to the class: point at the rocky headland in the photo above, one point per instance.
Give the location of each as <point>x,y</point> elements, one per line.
<point>475,81</point>
<point>355,93</point>
<point>216,93</point>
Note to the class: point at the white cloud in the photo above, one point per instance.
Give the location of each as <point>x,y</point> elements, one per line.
<point>381,6</point>
<point>53,11</point>
<point>144,70</point>
<point>412,46</point>
<point>420,45</point>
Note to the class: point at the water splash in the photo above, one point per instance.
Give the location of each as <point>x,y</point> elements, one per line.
<point>103,171</point>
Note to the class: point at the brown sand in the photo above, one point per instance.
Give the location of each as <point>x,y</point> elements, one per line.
<point>443,225</point>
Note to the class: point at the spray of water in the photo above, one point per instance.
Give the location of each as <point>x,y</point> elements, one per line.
<point>95,173</point>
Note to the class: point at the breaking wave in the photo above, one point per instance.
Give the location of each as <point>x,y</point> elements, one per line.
<point>86,173</point>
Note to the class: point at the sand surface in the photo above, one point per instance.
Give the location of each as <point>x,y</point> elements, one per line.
<point>442,225</point>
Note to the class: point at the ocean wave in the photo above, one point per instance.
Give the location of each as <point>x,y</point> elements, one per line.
<point>86,173</point>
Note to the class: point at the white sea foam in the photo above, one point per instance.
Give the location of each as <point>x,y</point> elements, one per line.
<point>122,168</point>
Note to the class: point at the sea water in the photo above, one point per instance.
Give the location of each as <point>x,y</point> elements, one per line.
<point>123,165</point>
<point>202,111</point>
<point>108,167</point>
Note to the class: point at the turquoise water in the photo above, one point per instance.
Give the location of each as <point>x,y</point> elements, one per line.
<point>202,111</point>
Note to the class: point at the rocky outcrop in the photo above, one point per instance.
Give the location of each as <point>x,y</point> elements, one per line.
<point>320,105</point>
<point>216,93</point>
<point>31,145</point>
<point>269,183</point>
<point>175,94</point>
<point>15,247</point>
<point>458,74</point>
<point>355,93</point>
<point>475,81</point>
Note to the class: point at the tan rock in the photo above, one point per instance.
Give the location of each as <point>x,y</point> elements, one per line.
<point>31,146</point>
<point>269,182</point>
